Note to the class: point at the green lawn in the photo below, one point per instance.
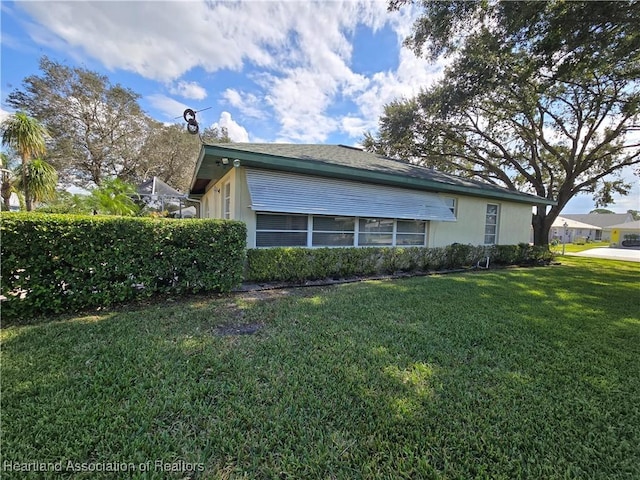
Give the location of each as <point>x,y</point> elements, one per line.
<point>516,373</point>
<point>577,247</point>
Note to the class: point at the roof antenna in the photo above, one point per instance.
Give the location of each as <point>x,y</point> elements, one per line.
<point>189,116</point>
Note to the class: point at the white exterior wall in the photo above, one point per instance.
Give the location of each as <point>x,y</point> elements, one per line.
<point>514,219</point>
<point>213,201</point>
<point>514,223</point>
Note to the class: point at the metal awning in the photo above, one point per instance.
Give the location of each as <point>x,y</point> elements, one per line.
<point>283,192</point>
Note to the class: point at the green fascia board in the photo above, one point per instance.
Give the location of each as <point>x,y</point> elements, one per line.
<point>212,153</point>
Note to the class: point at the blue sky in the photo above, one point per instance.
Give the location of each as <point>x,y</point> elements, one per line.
<point>268,71</point>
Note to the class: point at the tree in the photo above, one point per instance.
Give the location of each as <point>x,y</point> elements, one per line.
<point>601,210</point>
<point>66,202</point>
<point>635,214</point>
<point>26,136</point>
<point>97,129</point>
<point>114,197</point>
<point>170,153</point>
<point>539,96</point>
<point>38,180</point>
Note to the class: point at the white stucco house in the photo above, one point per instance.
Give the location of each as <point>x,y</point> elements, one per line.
<point>567,230</point>
<point>336,195</point>
<point>599,223</point>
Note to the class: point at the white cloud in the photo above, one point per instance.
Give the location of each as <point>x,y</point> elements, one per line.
<point>236,132</point>
<point>191,90</point>
<point>248,103</point>
<point>301,56</point>
<point>354,126</point>
<point>4,115</point>
<point>171,108</point>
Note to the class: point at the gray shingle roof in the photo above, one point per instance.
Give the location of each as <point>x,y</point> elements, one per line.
<point>599,219</point>
<point>355,158</point>
<point>635,225</point>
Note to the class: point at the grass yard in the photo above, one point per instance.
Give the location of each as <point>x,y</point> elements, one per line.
<point>577,247</point>
<point>517,373</point>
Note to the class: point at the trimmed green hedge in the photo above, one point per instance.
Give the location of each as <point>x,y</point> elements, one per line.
<point>59,263</point>
<point>301,264</point>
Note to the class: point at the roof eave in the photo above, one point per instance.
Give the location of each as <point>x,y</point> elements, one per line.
<point>275,162</point>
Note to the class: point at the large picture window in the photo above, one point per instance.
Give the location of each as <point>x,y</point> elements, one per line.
<point>411,234</point>
<point>275,230</point>
<point>333,231</point>
<point>375,232</point>
<point>491,225</point>
<point>281,230</point>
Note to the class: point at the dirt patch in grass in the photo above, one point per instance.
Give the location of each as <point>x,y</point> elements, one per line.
<point>238,329</point>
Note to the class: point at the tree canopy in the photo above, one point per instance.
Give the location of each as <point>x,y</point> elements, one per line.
<point>98,131</point>
<point>541,97</point>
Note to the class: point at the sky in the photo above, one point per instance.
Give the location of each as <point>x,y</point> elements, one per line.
<point>268,71</point>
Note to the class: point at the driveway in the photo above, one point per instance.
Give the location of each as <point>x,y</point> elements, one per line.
<point>627,254</point>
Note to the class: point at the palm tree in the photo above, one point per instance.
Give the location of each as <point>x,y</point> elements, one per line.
<point>7,187</point>
<point>41,180</point>
<point>27,137</point>
<point>115,197</point>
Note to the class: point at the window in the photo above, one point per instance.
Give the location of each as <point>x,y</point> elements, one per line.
<point>451,203</point>
<point>491,225</point>
<point>227,200</point>
<point>284,230</point>
<point>281,230</point>
<point>333,231</point>
<point>411,233</point>
<point>375,232</point>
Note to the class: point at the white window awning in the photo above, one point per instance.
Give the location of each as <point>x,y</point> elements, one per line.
<point>284,192</point>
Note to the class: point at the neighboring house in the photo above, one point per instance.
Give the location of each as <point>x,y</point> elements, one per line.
<point>625,234</point>
<point>566,230</point>
<point>602,220</point>
<point>335,195</point>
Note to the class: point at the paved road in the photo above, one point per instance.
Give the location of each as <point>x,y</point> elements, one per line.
<point>629,255</point>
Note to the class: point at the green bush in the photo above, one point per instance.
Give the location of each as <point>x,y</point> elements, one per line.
<point>292,264</point>
<point>58,263</point>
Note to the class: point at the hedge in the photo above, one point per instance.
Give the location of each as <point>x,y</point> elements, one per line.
<point>292,264</point>
<point>59,263</point>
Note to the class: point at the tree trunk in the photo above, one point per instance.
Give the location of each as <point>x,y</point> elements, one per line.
<point>6,194</point>
<point>541,223</point>
<point>543,220</point>
<point>25,186</point>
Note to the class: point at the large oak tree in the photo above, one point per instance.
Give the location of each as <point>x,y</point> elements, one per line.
<point>541,97</point>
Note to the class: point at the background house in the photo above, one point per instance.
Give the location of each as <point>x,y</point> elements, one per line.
<point>602,220</point>
<point>567,230</point>
<point>335,195</point>
<point>624,234</point>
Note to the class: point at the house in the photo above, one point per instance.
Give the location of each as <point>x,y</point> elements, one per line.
<point>567,230</point>
<point>624,234</point>
<point>602,220</point>
<point>336,195</point>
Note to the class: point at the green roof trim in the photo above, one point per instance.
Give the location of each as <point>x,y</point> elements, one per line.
<point>339,161</point>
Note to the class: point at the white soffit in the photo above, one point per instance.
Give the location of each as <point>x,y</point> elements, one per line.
<point>283,192</point>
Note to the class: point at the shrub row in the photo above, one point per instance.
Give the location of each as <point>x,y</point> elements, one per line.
<point>56,263</point>
<point>301,264</point>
